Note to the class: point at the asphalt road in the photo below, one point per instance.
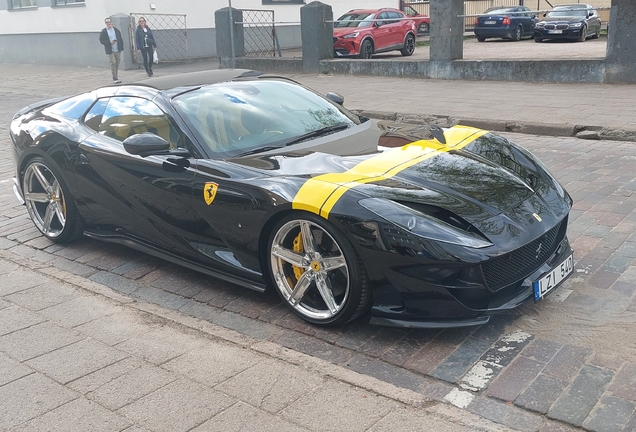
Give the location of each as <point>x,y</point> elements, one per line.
<point>561,364</point>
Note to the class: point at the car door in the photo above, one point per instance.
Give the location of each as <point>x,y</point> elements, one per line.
<point>397,28</point>
<point>594,21</point>
<point>527,20</point>
<point>145,198</point>
<point>229,208</point>
<point>382,32</point>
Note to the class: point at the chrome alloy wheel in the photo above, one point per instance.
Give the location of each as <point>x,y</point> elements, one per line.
<point>44,200</point>
<point>310,270</point>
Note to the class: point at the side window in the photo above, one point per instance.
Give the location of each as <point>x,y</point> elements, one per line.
<point>382,17</point>
<point>394,17</point>
<point>121,117</point>
<point>93,117</point>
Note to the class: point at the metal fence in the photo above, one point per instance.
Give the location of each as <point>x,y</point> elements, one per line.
<point>170,33</point>
<point>259,32</point>
<point>475,7</point>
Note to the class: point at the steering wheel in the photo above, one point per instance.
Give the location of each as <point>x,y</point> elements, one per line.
<point>276,126</point>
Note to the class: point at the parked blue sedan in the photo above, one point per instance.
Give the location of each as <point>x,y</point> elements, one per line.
<point>505,22</point>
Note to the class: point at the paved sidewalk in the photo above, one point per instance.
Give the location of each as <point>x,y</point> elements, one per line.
<point>76,356</point>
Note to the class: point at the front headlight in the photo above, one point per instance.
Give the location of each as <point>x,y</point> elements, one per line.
<point>351,35</point>
<point>422,224</point>
<point>576,25</point>
<point>540,24</point>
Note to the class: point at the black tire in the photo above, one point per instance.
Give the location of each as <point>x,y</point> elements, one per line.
<point>537,39</point>
<point>366,49</point>
<point>50,203</point>
<point>583,34</point>
<point>409,45</point>
<point>423,28</point>
<point>481,39</point>
<point>518,34</point>
<point>316,271</point>
<point>597,33</point>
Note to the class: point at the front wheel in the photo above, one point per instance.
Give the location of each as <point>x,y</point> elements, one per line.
<point>518,34</point>
<point>49,202</point>
<point>480,39</point>
<point>583,34</point>
<point>366,49</point>
<point>409,45</point>
<point>316,271</point>
<point>537,39</point>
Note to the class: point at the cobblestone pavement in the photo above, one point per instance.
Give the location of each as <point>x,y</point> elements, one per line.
<point>562,364</point>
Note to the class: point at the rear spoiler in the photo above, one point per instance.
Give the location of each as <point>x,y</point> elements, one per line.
<point>38,105</point>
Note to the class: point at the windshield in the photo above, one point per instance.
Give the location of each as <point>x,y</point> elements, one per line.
<point>355,20</point>
<point>567,12</point>
<point>235,118</point>
<point>499,11</point>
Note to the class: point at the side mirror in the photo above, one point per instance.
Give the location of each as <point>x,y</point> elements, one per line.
<point>545,14</point>
<point>335,98</point>
<point>147,143</point>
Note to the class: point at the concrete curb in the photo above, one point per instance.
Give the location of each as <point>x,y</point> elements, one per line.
<point>589,132</point>
<point>270,349</point>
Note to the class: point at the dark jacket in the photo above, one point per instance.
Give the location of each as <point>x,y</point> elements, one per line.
<point>139,38</point>
<point>105,40</point>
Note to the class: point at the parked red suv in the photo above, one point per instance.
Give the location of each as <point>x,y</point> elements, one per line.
<point>422,22</point>
<point>364,32</point>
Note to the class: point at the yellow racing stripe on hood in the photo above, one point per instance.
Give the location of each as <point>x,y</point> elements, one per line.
<point>319,194</point>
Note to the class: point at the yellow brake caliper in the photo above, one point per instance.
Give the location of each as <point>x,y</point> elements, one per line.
<point>298,247</point>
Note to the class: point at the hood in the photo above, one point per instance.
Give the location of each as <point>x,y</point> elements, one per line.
<point>404,162</point>
<point>342,31</point>
<point>563,19</point>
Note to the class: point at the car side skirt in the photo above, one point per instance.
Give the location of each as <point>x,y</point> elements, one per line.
<point>150,250</point>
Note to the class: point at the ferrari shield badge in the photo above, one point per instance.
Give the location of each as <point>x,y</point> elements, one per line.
<point>209,192</point>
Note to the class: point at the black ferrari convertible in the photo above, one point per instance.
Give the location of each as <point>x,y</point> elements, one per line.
<point>260,181</point>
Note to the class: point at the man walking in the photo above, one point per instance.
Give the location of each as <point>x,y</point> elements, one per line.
<point>110,37</point>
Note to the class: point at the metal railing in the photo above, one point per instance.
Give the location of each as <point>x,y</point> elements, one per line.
<point>474,8</point>
<point>259,31</point>
<point>170,33</point>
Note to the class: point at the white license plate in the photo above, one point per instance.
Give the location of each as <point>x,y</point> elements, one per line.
<point>555,31</point>
<point>490,22</point>
<point>551,280</point>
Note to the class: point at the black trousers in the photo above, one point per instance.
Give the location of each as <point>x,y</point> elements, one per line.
<point>146,53</point>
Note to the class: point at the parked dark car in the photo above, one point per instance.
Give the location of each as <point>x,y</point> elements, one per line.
<point>573,21</point>
<point>423,22</point>
<point>260,181</point>
<point>511,23</point>
<point>364,32</point>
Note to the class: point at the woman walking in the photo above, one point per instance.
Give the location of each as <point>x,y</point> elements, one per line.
<point>145,42</point>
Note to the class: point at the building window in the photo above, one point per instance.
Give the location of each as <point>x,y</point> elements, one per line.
<point>67,2</point>
<point>23,4</point>
<point>269,2</point>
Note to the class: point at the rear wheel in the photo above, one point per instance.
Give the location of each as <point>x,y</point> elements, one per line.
<point>518,33</point>
<point>597,33</point>
<point>366,49</point>
<point>49,202</point>
<point>481,38</point>
<point>409,45</point>
<point>583,34</point>
<point>316,271</point>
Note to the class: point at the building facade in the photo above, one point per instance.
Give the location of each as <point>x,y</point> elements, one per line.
<point>65,32</point>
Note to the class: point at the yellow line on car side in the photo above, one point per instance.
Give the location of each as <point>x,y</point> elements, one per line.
<point>321,193</point>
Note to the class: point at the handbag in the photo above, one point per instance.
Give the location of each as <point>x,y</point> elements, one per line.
<point>155,57</point>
